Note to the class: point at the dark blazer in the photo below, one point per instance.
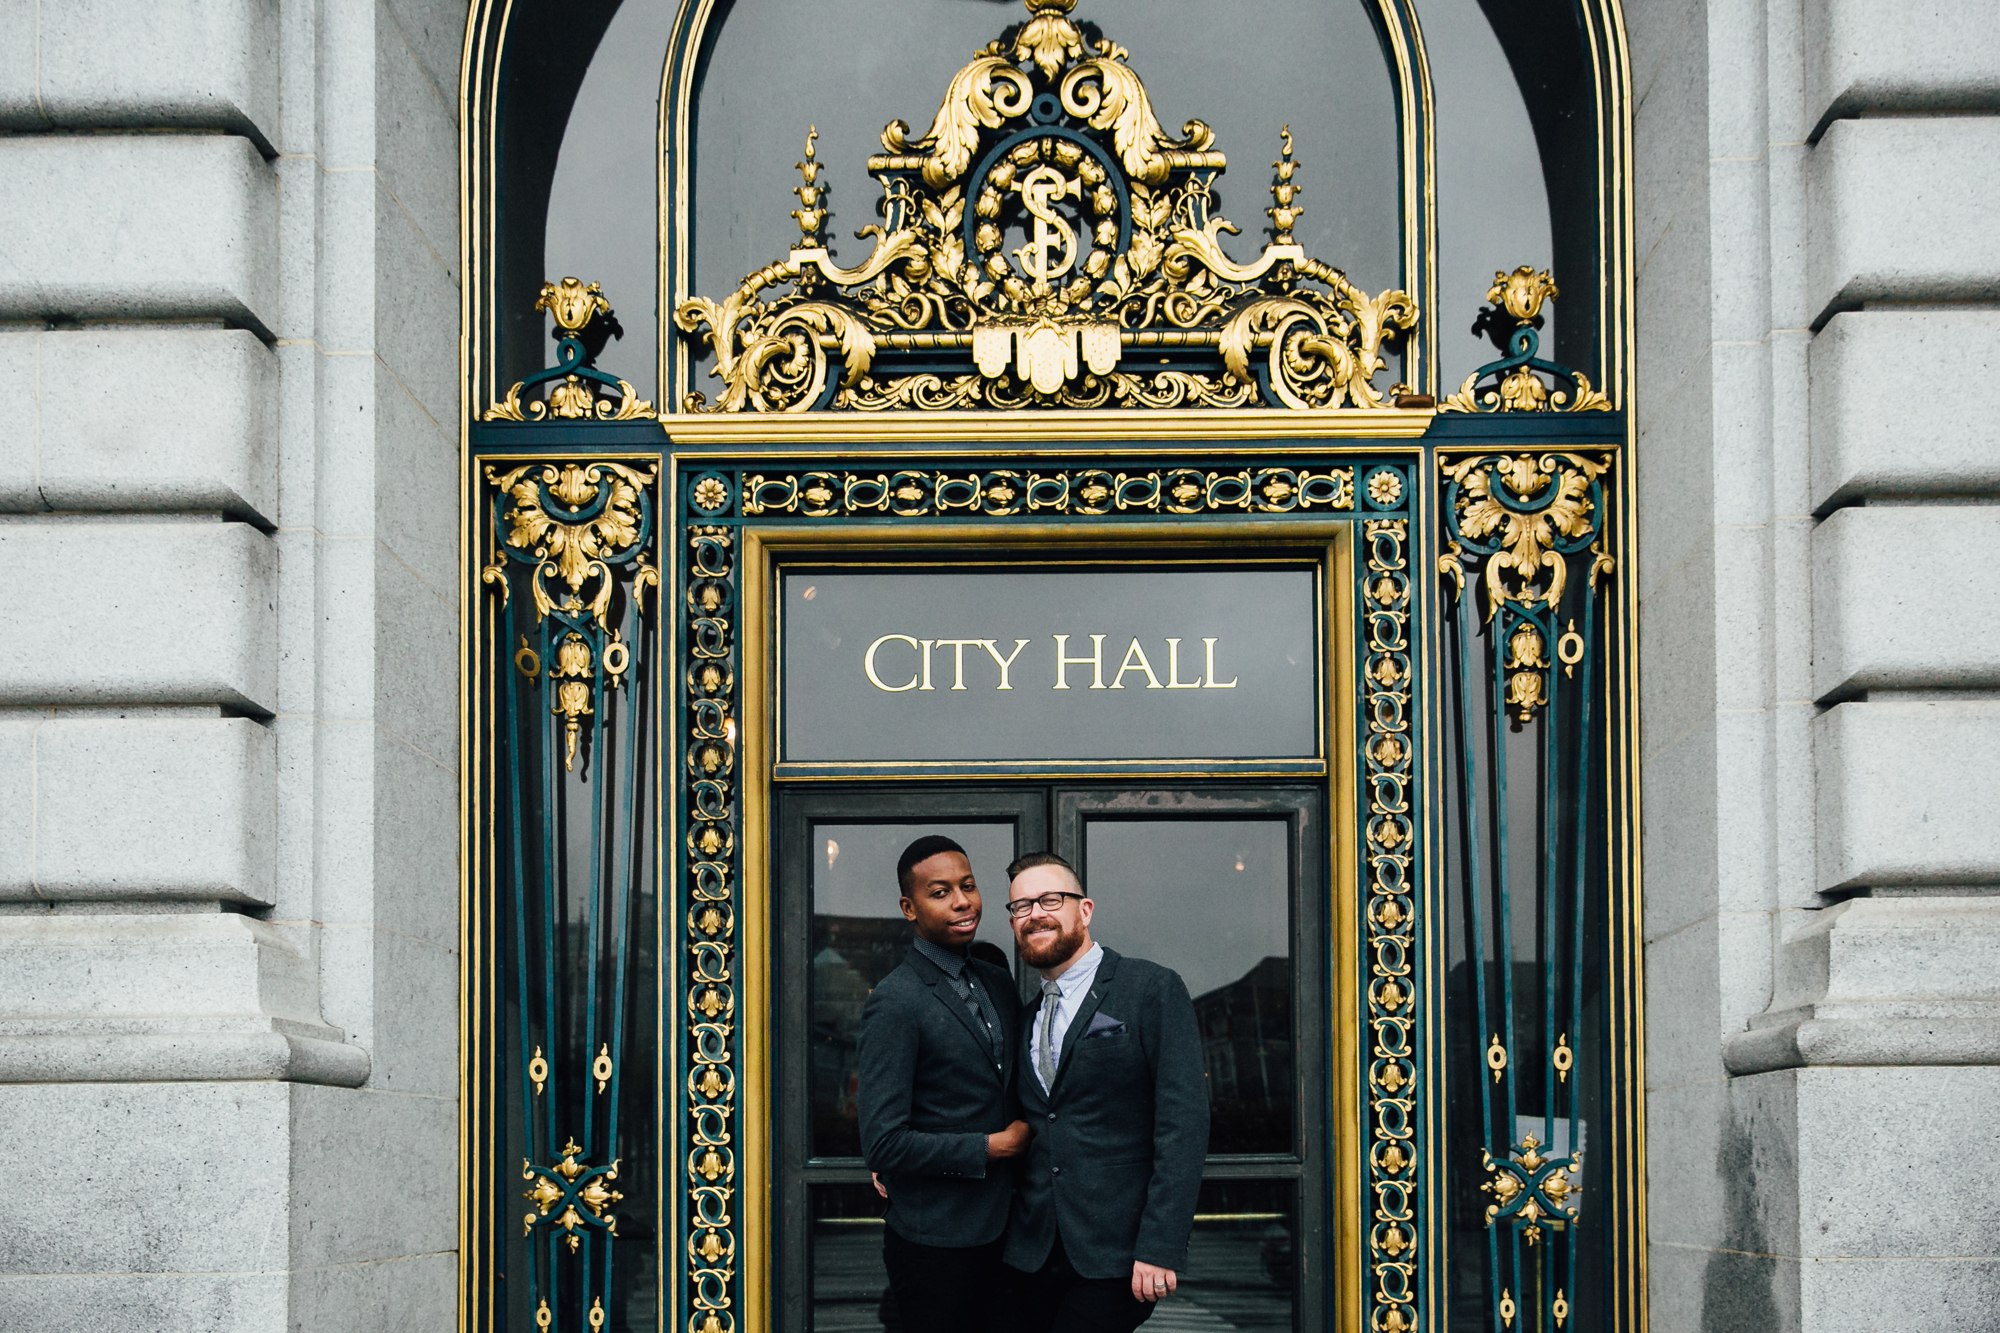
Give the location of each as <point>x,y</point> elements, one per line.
<point>1121,1136</point>
<point>930,1094</point>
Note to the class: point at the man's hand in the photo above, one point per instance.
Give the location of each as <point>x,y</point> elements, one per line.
<point>1150,1283</point>
<point>1009,1142</point>
<point>876,1181</point>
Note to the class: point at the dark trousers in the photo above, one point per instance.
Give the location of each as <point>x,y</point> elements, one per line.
<point>1058,1299</point>
<point>941,1289</point>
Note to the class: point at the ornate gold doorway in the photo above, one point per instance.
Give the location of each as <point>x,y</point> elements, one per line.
<point>1055,349</point>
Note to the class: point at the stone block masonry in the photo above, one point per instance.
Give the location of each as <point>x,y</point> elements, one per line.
<point>1819,474</point>
<point>228,693</point>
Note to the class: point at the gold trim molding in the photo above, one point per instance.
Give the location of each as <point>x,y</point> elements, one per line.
<point>1089,492</point>
<point>1389,922</point>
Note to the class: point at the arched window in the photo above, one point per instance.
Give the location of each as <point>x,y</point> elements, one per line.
<point>1298,332</point>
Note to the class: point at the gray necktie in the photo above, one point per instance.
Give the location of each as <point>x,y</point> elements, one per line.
<point>1045,1050</point>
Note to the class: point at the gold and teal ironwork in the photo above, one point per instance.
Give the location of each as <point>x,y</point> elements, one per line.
<point>1526,537</point>
<point>571,1195</point>
<point>1514,383</point>
<point>576,389</point>
<point>1004,493</point>
<point>570,544</point>
<point>573,524</point>
<point>1531,1191</point>
<point>709,778</point>
<point>1524,515</point>
<point>1390,915</point>
<point>1047,244</point>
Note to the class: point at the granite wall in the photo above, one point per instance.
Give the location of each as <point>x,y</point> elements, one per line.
<point>228,663</point>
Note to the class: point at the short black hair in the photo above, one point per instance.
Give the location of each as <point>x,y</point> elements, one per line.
<point>1032,859</point>
<point>918,852</point>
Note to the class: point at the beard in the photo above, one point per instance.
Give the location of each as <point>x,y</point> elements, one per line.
<point>1051,950</point>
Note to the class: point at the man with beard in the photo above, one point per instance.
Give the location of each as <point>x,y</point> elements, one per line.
<point>938,1051</point>
<point>1114,1088</point>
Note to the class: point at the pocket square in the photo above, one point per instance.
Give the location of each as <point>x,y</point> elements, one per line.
<point>1103,1025</point>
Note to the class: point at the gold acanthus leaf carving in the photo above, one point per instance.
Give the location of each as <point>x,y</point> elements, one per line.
<point>972,103</point>
<point>1049,36</point>
<point>573,553</point>
<point>1526,538</point>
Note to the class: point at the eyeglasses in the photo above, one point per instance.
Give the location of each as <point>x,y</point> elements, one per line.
<point>1048,902</point>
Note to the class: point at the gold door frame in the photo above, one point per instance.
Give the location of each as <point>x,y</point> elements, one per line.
<point>762,550</point>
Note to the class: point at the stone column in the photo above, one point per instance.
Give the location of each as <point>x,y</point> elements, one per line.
<point>228,668</point>
<point>1817,182</point>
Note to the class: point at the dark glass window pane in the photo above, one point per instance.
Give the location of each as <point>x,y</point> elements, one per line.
<point>850,1286</point>
<point>575,139</point>
<point>1242,1264</point>
<point>603,216</point>
<point>1146,637</point>
<point>1493,210</point>
<point>1517,170</point>
<point>859,936</point>
<point>1211,898</point>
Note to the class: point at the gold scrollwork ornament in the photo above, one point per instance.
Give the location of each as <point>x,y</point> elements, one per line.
<point>577,390</point>
<point>1122,262</point>
<point>1517,383</point>
<point>1386,678</point>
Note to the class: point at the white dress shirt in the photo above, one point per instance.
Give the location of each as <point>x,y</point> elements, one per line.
<point>1075,982</point>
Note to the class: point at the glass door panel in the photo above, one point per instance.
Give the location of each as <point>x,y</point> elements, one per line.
<point>858,936</point>
<point>839,932</point>
<point>850,1283</point>
<point>1242,1265</point>
<point>1212,900</point>
<point>1227,887</point>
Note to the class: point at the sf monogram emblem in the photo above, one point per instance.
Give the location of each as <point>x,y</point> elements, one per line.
<point>1040,189</point>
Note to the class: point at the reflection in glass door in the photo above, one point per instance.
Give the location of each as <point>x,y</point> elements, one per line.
<point>858,936</point>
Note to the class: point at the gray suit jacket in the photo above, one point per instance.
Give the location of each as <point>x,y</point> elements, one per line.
<point>930,1094</point>
<point>1121,1135</point>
